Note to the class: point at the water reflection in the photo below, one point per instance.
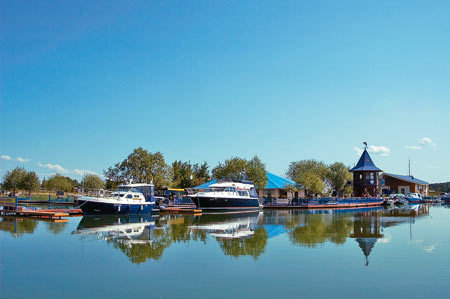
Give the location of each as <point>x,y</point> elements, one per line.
<point>18,226</point>
<point>245,234</point>
<point>56,227</point>
<point>237,234</point>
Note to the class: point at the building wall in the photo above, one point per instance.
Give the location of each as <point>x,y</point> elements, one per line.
<point>365,183</point>
<point>396,185</point>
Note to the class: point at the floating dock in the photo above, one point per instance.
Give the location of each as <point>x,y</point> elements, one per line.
<point>42,213</point>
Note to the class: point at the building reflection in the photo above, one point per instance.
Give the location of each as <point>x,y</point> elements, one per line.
<point>366,231</point>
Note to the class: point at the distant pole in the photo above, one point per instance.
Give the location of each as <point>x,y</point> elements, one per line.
<point>82,188</point>
<point>409,166</point>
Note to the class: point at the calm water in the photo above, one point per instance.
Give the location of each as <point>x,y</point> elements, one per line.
<point>366,253</point>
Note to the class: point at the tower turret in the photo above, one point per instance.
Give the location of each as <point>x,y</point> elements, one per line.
<point>366,179</point>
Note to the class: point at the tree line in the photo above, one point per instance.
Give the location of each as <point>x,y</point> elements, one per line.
<point>440,187</point>
<point>21,179</point>
<point>142,166</point>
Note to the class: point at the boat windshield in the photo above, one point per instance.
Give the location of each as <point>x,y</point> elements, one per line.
<point>215,189</point>
<point>122,189</point>
<point>135,190</point>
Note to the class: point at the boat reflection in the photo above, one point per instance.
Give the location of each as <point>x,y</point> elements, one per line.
<point>133,235</point>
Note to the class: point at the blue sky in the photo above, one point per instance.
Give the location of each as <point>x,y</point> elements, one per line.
<point>83,84</point>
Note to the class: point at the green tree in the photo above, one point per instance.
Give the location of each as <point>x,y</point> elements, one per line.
<point>309,173</point>
<point>140,166</point>
<point>181,174</point>
<point>233,168</point>
<point>338,175</point>
<point>200,173</point>
<point>30,182</point>
<point>92,181</point>
<point>14,180</point>
<point>59,182</point>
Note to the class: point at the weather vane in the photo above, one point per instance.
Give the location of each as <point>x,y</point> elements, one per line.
<point>365,143</point>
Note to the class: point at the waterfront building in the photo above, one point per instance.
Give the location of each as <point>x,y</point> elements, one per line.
<point>396,183</point>
<point>366,181</point>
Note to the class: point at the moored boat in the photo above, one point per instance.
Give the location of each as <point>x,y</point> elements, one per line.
<point>126,199</point>
<point>227,195</point>
<point>445,198</point>
<point>414,197</point>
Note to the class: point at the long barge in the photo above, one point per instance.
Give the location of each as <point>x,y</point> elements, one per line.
<point>329,203</point>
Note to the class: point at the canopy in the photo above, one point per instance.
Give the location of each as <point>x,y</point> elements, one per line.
<point>273,182</point>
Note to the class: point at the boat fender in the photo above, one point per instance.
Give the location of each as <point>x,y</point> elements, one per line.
<point>101,192</point>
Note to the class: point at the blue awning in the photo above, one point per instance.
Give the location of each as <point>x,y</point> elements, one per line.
<point>273,182</point>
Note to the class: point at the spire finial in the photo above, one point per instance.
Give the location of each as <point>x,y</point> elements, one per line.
<point>365,143</point>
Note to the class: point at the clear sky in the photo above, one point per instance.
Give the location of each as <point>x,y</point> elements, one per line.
<point>83,83</point>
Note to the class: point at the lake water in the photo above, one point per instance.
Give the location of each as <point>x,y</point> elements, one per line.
<point>368,253</point>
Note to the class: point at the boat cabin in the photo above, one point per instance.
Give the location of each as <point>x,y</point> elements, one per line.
<point>138,192</point>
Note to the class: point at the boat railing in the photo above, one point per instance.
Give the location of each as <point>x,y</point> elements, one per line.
<point>96,192</point>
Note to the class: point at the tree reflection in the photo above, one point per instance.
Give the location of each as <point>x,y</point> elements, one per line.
<point>320,228</point>
<point>18,226</point>
<point>56,227</point>
<point>141,252</point>
<point>253,246</point>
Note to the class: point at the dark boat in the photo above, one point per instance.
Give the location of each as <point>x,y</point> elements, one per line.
<point>227,195</point>
<point>126,199</point>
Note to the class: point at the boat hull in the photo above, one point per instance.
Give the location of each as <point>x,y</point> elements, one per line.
<point>96,208</point>
<point>218,203</point>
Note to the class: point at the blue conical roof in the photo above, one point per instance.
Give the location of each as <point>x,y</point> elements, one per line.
<point>365,163</point>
